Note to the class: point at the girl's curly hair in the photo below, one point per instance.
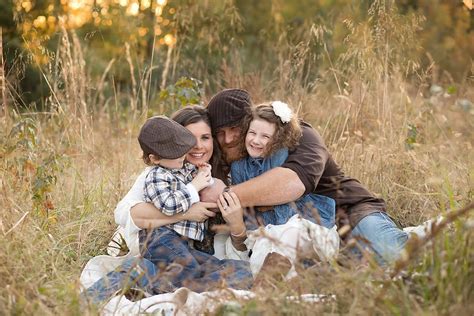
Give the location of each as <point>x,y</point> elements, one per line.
<point>287,135</point>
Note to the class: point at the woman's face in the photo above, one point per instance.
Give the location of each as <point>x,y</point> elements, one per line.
<point>202,152</point>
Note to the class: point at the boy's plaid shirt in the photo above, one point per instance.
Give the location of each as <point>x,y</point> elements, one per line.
<point>166,189</point>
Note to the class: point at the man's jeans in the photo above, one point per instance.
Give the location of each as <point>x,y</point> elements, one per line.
<point>378,233</point>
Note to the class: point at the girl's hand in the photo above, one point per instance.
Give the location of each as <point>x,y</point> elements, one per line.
<point>232,212</point>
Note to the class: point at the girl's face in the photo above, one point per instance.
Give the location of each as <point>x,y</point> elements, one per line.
<point>202,152</point>
<point>259,137</point>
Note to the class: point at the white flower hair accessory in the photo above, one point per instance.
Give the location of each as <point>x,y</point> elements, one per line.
<point>282,110</point>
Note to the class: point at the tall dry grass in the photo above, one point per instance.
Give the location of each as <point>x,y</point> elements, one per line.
<point>64,170</point>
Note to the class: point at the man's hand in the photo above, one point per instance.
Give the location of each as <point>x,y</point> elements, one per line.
<point>211,193</point>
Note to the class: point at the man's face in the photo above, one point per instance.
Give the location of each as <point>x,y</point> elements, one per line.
<point>228,140</point>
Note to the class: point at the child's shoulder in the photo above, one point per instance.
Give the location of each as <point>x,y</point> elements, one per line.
<point>277,158</point>
<point>157,172</point>
<point>280,153</point>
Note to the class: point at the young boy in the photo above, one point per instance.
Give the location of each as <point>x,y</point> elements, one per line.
<point>172,186</point>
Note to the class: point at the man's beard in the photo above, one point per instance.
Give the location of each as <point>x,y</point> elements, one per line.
<point>231,153</point>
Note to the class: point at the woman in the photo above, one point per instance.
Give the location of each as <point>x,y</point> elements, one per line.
<point>133,215</point>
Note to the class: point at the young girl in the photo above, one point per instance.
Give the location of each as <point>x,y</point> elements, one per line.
<point>304,228</point>
<point>272,130</point>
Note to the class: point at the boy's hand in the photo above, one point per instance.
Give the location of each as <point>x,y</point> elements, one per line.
<point>203,178</point>
<point>204,165</point>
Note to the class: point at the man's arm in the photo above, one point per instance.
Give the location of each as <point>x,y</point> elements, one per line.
<point>298,175</point>
<point>274,187</point>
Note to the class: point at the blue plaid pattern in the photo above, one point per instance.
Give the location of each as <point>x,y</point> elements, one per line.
<point>166,189</point>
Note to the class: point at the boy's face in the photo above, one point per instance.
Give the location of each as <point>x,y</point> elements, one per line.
<point>168,163</point>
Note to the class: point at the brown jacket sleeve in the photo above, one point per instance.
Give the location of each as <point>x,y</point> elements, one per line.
<point>309,158</point>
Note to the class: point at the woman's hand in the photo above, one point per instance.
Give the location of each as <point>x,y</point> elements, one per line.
<point>232,212</point>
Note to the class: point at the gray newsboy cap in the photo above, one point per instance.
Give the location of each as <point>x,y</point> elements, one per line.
<point>228,107</point>
<point>165,138</point>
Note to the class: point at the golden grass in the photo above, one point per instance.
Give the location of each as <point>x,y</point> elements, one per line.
<point>43,252</point>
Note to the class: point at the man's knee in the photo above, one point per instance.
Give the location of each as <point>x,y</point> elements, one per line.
<point>380,234</point>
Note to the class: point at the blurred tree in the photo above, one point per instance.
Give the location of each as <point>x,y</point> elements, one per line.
<point>170,39</point>
<point>447,35</point>
<point>24,80</point>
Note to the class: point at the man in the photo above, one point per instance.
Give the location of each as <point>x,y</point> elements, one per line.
<point>309,168</point>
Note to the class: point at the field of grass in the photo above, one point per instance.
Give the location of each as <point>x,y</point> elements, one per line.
<point>64,169</point>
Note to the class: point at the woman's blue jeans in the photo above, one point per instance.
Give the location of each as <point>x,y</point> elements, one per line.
<point>378,233</point>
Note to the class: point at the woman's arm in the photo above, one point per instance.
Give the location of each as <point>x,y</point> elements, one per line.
<point>134,214</point>
<point>146,215</point>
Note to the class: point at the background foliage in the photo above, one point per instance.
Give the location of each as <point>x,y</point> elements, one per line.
<point>165,40</point>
